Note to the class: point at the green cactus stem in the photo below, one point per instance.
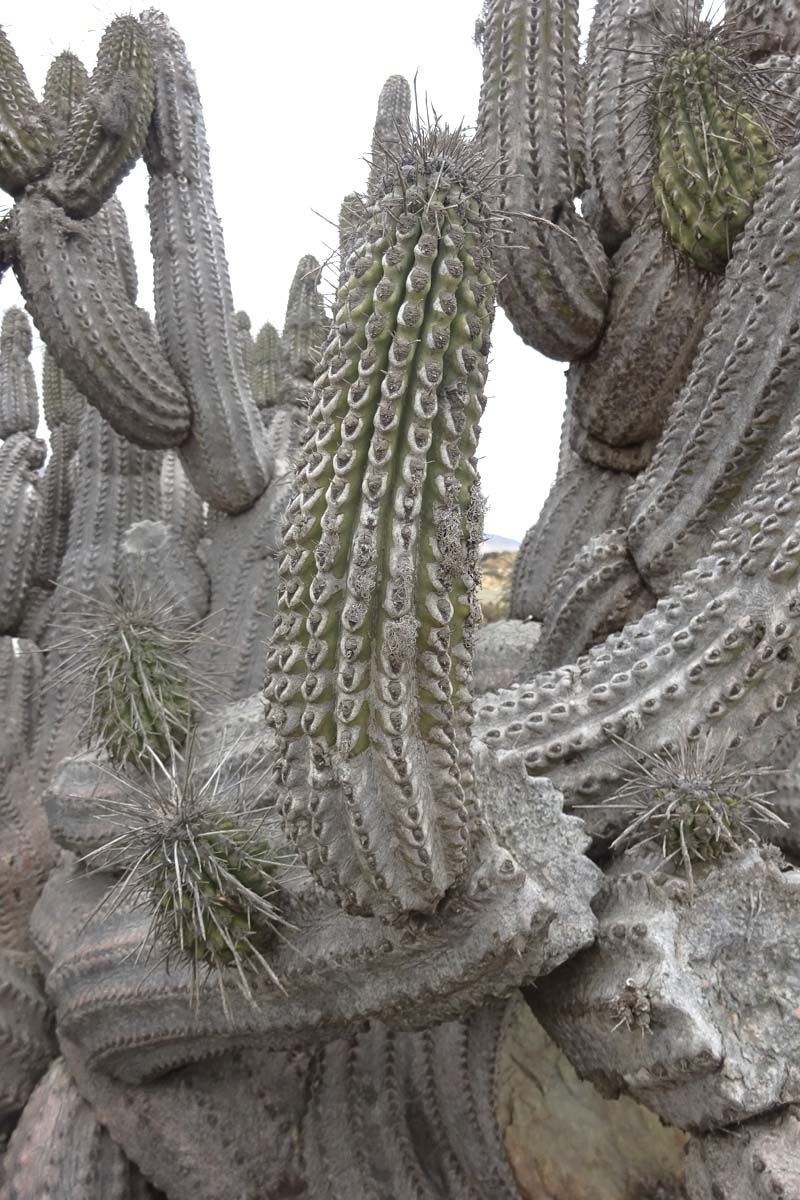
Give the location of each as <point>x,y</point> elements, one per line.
<point>225,455</point>
<point>19,401</point>
<point>715,150</point>
<point>25,138</point>
<point>108,125</point>
<point>553,270</point>
<point>370,660</point>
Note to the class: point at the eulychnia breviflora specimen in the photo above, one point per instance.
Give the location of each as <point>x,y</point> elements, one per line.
<point>554,272</point>
<point>369,669</point>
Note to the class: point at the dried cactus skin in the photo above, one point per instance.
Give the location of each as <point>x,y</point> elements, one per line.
<point>26,1037</point>
<point>758,1162</point>
<point>553,280</point>
<point>225,455</point>
<point>598,593</point>
<point>65,268</point>
<point>20,456</point>
<point>696,1066</point>
<point>738,401</point>
<point>714,155</point>
<point>393,116</point>
<point>19,400</point>
<point>621,395</point>
<point>108,125</point>
<point>583,503</point>
<point>59,1150</point>
<point>621,40</point>
<point>25,145</point>
<point>386,772</point>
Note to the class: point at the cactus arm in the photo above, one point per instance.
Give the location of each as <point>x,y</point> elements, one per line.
<point>81,308</point>
<point>225,455</point>
<point>64,87</point>
<point>713,451</point>
<point>713,650</point>
<point>20,456</point>
<point>306,324</point>
<point>392,117</point>
<point>181,507</point>
<point>107,126</point>
<point>618,153</point>
<point>554,280</point>
<point>598,593</point>
<point>582,503</point>
<point>19,401</point>
<point>25,136</point>
<point>377,704</point>
<point>621,395</point>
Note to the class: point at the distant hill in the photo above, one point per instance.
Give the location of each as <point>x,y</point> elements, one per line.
<point>494,544</point>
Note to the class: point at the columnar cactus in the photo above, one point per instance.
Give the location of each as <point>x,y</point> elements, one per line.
<point>370,661</point>
<point>449,874</point>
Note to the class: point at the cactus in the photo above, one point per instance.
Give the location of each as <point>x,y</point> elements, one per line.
<point>108,124</point>
<point>554,284</point>
<point>382,711</point>
<point>663,571</point>
<point>19,401</point>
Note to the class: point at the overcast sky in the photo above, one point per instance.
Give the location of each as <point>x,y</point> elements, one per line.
<point>289,94</point>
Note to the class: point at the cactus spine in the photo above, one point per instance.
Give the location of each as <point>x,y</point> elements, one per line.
<point>372,648</point>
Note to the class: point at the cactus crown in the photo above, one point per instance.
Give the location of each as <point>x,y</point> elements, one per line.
<point>715,132</point>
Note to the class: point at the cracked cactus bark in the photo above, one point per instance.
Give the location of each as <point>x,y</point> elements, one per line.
<point>369,668</point>
<point>553,270</point>
<point>225,453</point>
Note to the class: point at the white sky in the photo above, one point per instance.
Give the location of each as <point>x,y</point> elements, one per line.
<point>289,93</point>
